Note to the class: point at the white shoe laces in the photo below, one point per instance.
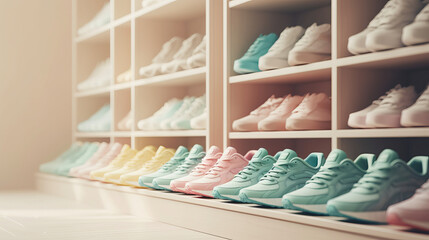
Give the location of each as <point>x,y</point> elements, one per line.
<point>268,105</point>
<point>307,104</point>
<point>193,109</point>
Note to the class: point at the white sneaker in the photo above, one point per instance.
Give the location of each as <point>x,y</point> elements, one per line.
<point>187,103</point>
<point>388,114</point>
<point>101,76</point>
<point>358,119</point>
<point>418,31</point>
<point>314,46</point>
<point>124,77</point>
<point>179,59</point>
<point>126,123</point>
<point>276,121</point>
<point>418,114</point>
<point>153,122</point>
<point>277,56</point>
<point>200,122</point>
<point>169,49</point>
<point>184,121</point>
<point>198,58</point>
<point>100,19</point>
<point>313,113</point>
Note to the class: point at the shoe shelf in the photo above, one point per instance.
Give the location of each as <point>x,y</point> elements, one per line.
<point>172,133</point>
<point>383,133</point>
<point>92,134</point>
<point>105,91</point>
<point>281,134</point>
<point>172,9</point>
<point>99,35</point>
<point>290,5</point>
<point>183,78</point>
<point>216,216</point>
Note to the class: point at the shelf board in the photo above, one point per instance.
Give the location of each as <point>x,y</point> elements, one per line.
<point>320,71</point>
<point>173,9</point>
<point>172,133</point>
<point>123,21</point>
<point>281,134</point>
<point>122,133</point>
<point>182,78</point>
<point>99,35</point>
<point>93,134</point>
<point>278,5</point>
<point>384,132</point>
<point>104,91</point>
<point>122,86</point>
<point>401,58</point>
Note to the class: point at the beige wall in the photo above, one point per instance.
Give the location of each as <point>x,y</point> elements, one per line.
<point>35,83</point>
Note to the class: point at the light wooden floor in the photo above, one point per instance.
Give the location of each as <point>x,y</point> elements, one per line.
<point>33,215</point>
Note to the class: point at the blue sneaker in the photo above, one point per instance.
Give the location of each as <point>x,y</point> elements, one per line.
<point>249,63</point>
<point>335,178</point>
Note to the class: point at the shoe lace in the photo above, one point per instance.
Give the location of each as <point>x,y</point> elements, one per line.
<point>308,36</point>
<point>380,99</point>
<point>187,165</point>
<point>195,108</point>
<point>185,106</point>
<point>277,171</point>
<point>219,167</point>
<point>373,179</point>
<point>424,97</point>
<point>281,108</point>
<point>255,46</point>
<point>183,51</point>
<point>250,169</point>
<point>306,105</point>
<point>325,175</point>
<point>268,105</point>
<point>385,15</point>
<point>166,48</point>
<point>202,167</point>
<point>392,99</point>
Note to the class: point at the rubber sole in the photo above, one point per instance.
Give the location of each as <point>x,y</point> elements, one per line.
<point>289,205</point>
<point>333,211</point>
<point>396,220</point>
<point>304,124</point>
<point>216,194</point>
<point>299,58</point>
<point>246,199</point>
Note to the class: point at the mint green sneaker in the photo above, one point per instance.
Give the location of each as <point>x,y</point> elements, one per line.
<point>169,167</point>
<point>72,150</point>
<point>192,160</point>
<point>288,174</point>
<point>335,178</point>
<point>65,167</point>
<point>54,166</point>
<point>258,166</point>
<point>388,181</point>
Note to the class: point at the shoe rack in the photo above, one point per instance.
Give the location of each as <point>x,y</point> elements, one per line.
<point>131,40</point>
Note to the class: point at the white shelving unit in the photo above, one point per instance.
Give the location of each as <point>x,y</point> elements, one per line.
<point>134,37</point>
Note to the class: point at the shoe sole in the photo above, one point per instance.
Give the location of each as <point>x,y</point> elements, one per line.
<point>160,187</point>
<point>396,220</point>
<point>234,198</point>
<point>304,124</point>
<point>364,217</point>
<point>319,209</point>
<point>203,193</point>
<point>299,58</point>
<point>246,199</point>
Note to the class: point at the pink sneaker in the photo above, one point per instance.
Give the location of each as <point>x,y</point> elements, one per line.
<point>102,150</point>
<point>250,122</point>
<point>413,212</point>
<point>314,113</point>
<point>198,172</point>
<point>222,172</point>
<point>102,162</point>
<point>276,121</point>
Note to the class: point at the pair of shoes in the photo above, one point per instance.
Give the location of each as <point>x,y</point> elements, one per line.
<point>295,46</point>
<point>124,77</point>
<point>98,122</point>
<point>126,123</point>
<point>399,23</point>
<point>100,19</point>
<point>71,153</point>
<point>189,113</point>
<point>289,113</point>
<point>177,55</point>
<point>99,77</point>
<point>398,107</point>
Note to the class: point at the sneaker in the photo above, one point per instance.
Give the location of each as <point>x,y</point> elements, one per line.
<point>418,114</point>
<point>198,58</point>
<point>276,120</point>
<point>200,121</point>
<point>260,164</point>
<point>64,168</point>
<point>183,122</point>
<point>179,59</point>
<point>167,168</point>
<point>126,123</point>
<point>126,155</point>
<point>358,119</point>
<point>52,167</point>
<point>74,148</point>
<point>162,156</point>
<point>165,112</point>
<point>222,172</point>
<point>186,104</point>
<point>250,122</point>
<point>388,113</point>
<point>169,49</point>
<point>178,185</point>
<point>313,113</point>
<point>113,152</point>
<point>185,167</point>
<point>250,60</point>
<point>103,148</point>
<point>99,121</point>
<point>124,77</point>
<point>133,165</point>
<point>413,212</point>
<point>101,76</point>
<point>418,31</point>
<point>388,34</point>
<point>277,56</point>
<point>289,173</point>
<point>314,46</point>
<point>335,178</point>
<point>100,19</point>
<point>389,181</point>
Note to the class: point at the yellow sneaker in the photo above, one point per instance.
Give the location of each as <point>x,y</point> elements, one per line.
<point>123,157</point>
<point>162,156</point>
<point>134,164</point>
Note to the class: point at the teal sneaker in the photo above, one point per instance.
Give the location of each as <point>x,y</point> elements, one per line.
<point>72,150</point>
<point>88,125</point>
<point>335,178</point>
<point>388,181</point>
<point>167,168</point>
<point>54,166</point>
<point>192,160</point>
<point>288,174</point>
<point>250,61</point>
<point>258,166</point>
<point>65,167</point>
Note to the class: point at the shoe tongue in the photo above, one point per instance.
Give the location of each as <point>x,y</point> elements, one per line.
<point>335,157</point>
<point>261,153</point>
<point>229,151</point>
<point>213,151</point>
<point>386,156</point>
<point>181,150</point>
<point>160,150</point>
<point>196,151</point>
<point>286,156</point>
<point>125,148</point>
